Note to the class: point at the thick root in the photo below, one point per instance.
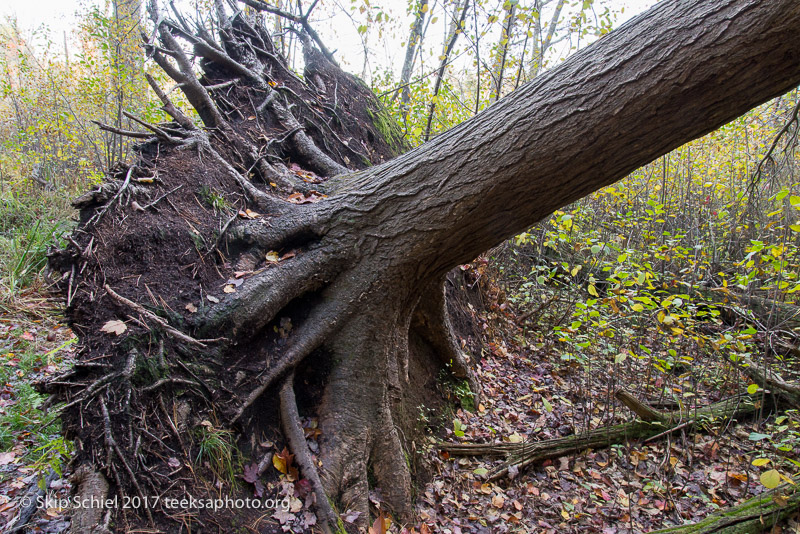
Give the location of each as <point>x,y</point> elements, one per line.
<point>297,441</point>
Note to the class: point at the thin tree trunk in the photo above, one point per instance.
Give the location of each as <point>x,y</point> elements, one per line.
<point>450,42</point>
<point>505,41</point>
<point>415,39</point>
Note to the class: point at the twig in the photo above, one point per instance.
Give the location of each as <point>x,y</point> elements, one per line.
<point>153,317</point>
<point>690,422</point>
<point>99,215</point>
<point>126,133</point>
<point>159,199</point>
<point>111,443</point>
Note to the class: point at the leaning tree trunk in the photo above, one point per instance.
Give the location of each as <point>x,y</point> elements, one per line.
<point>250,262</point>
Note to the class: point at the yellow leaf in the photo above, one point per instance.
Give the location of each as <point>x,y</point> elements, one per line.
<point>593,291</point>
<point>637,307</point>
<point>229,289</point>
<point>771,479</point>
<point>273,257</point>
<point>279,464</point>
<point>758,462</point>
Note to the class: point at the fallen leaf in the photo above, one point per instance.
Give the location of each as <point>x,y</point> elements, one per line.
<point>381,524</point>
<point>251,473</point>
<point>116,327</point>
<point>771,479</point>
<point>283,463</point>
<point>249,214</point>
<point>283,516</point>
<point>273,257</point>
<point>498,501</point>
<point>191,308</point>
<point>212,298</point>
<point>351,516</point>
<point>7,457</point>
<point>230,288</point>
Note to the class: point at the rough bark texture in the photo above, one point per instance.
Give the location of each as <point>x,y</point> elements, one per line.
<point>338,275</point>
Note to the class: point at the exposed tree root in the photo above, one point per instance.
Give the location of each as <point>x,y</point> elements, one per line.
<point>90,484</point>
<point>297,441</point>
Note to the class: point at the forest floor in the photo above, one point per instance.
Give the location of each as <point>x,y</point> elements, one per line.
<point>529,394</point>
<point>34,345</point>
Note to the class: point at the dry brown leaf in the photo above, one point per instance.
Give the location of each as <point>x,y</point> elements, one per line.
<point>191,308</point>
<point>115,327</point>
<point>498,501</point>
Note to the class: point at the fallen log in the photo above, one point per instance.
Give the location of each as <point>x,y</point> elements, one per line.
<point>651,424</point>
<point>771,381</point>
<point>758,514</point>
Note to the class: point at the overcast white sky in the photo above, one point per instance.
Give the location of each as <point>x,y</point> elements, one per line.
<point>59,16</point>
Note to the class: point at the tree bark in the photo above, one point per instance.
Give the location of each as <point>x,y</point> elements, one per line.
<point>336,270</point>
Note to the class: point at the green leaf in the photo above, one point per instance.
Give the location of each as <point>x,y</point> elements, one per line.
<point>458,428</point>
<point>547,405</point>
<point>757,436</point>
<point>794,200</point>
<point>752,389</point>
<point>481,471</point>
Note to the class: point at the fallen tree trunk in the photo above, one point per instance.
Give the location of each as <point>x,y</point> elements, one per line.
<point>755,515</point>
<point>652,424</point>
<point>272,238</point>
<point>771,381</point>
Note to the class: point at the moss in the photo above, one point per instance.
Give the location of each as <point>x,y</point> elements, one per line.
<point>388,128</point>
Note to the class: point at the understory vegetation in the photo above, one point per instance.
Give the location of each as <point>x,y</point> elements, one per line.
<point>668,285</point>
